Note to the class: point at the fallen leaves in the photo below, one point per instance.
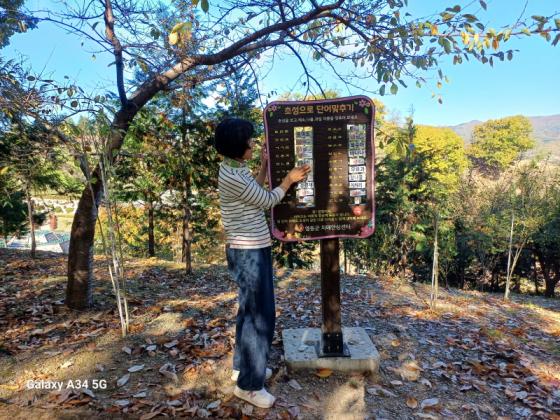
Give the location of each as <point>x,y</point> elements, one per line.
<point>323,373</point>
<point>429,403</point>
<point>378,390</point>
<point>488,349</point>
<point>123,380</point>
<point>168,370</point>
<point>66,364</point>
<point>295,384</point>
<point>411,402</point>
<point>171,344</point>
<point>410,371</point>
<point>135,368</point>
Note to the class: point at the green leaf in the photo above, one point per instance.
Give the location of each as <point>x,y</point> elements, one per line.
<point>74,104</point>
<point>444,42</point>
<point>557,23</point>
<point>483,4</point>
<point>420,247</point>
<point>382,90</point>
<point>447,16</point>
<point>30,78</point>
<point>556,39</point>
<point>204,5</point>
<point>394,89</point>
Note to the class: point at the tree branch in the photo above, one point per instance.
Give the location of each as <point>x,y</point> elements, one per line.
<point>249,43</point>
<point>117,50</point>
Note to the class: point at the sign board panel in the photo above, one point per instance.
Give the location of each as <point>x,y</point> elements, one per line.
<point>335,137</point>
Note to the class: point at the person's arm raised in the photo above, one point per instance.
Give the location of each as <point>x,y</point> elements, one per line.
<point>295,175</point>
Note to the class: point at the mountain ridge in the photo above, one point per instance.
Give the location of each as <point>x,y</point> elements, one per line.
<point>546,131</point>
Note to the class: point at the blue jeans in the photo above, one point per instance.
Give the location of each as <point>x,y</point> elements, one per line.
<point>251,269</point>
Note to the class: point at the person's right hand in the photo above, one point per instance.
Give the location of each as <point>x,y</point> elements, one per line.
<point>298,173</point>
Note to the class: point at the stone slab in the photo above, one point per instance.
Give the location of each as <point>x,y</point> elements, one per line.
<point>300,351</point>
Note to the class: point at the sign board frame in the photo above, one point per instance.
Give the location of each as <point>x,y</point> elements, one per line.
<point>333,125</point>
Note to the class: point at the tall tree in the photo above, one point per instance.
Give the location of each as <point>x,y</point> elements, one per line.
<point>498,143</point>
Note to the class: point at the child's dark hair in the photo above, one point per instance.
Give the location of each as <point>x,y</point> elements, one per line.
<point>232,137</point>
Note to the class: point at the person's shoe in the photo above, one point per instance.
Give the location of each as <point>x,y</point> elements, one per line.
<point>260,398</point>
<point>235,375</point>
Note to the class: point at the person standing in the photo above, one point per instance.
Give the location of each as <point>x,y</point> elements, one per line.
<point>248,252</point>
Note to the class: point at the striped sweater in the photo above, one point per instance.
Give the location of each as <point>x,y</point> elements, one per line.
<point>242,204</point>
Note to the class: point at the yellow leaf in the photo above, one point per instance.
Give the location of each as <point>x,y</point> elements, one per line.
<point>173,38</point>
<point>495,43</point>
<point>324,373</point>
<point>177,27</point>
<point>434,30</point>
<point>411,402</point>
<point>410,371</point>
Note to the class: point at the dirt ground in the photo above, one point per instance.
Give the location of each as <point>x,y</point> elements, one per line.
<point>473,357</point>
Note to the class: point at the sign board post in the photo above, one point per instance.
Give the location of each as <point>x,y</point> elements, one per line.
<point>336,200</point>
<point>331,328</point>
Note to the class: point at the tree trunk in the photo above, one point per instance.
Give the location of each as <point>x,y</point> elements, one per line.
<point>30,217</point>
<point>549,286</point>
<point>551,283</point>
<point>509,268</point>
<point>435,266</point>
<point>550,280</point>
<point>495,282</point>
<point>534,275</point>
<point>186,254</point>
<point>80,254</point>
<point>151,239</point>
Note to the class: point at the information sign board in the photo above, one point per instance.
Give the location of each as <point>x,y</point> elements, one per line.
<point>335,137</point>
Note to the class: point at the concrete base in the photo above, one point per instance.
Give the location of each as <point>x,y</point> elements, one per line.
<point>300,351</point>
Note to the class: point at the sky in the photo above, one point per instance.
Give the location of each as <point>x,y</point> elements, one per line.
<point>528,85</point>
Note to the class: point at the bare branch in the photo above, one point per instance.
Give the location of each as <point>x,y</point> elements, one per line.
<point>309,77</point>
<point>117,50</point>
